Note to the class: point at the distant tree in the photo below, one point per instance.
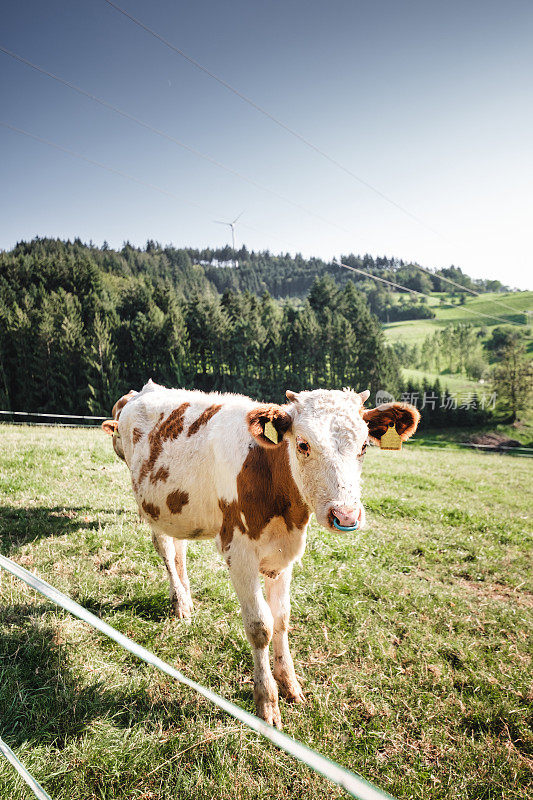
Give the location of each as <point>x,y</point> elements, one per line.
<point>513,378</point>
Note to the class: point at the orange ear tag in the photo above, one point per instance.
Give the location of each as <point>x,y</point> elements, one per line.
<point>391,439</point>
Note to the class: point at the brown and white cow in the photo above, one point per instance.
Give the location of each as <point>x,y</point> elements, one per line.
<point>247,474</point>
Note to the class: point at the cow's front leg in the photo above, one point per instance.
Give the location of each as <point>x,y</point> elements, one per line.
<point>173,554</point>
<point>278,598</point>
<point>258,624</point>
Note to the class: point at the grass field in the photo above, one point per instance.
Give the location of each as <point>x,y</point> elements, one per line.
<point>456,384</point>
<point>413,638</point>
<point>415,331</point>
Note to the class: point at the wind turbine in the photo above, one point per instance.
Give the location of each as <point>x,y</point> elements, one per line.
<point>231,225</point>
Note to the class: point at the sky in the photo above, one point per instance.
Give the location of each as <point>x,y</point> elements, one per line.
<point>430,103</point>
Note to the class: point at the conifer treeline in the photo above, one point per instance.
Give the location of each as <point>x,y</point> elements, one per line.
<point>77,330</point>
<point>79,326</point>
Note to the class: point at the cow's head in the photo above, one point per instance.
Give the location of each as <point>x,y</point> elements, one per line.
<point>326,434</point>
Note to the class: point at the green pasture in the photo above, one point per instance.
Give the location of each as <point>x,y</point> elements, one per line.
<point>415,331</point>
<point>412,638</point>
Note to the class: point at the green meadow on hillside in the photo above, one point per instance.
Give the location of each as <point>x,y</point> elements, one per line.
<point>412,637</point>
<point>414,331</point>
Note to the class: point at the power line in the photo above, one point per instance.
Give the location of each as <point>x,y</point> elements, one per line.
<point>121,173</point>
<point>464,288</point>
<point>166,192</point>
<point>171,138</point>
<point>271,117</point>
<point>421,294</point>
<point>297,135</point>
<point>102,166</point>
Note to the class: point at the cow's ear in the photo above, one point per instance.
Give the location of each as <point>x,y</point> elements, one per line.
<point>109,426</point>
<point>268,424</point>
<point>402,415</point>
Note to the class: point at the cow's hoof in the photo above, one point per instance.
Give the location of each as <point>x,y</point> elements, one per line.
<point>266,705</point>
<point>270,713</point>
<point>289,687</point>
<point>181,608</point>
<point>293,694</point>
<point>291,691</point>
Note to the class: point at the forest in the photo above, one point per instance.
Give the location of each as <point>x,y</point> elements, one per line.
<point>80,325</point>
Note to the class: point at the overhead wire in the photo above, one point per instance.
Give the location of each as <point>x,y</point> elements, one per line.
<point>270,116</point>
<point>173,139</point>
<point>115,171</point>
<point>168,193</point>
<point>297,135</point>
<point>464,288</point>
<point>420,294</point>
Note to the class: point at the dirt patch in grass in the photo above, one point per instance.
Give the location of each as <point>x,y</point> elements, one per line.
<point>498,591</point>
<point>494,441</point>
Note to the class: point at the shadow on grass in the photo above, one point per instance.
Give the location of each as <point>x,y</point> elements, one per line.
<point>154,607</point>
<point>19,526</point>
<point>44,701</point>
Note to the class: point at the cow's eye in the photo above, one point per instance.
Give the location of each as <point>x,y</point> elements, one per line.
<point>363,451</point>
<point>303,446</point>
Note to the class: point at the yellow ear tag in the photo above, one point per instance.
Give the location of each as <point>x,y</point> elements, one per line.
<point>391,439</point>
<point>271,433</point>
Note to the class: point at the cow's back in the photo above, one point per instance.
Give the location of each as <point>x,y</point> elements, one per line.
<point>184,450</point>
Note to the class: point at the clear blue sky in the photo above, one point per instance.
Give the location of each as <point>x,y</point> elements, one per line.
<point>429,101</point>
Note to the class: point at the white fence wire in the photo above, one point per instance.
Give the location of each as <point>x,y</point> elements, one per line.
<point>352,783</point>
<point>36,787</point>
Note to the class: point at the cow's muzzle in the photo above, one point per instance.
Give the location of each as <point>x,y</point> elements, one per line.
<point>344,518</point>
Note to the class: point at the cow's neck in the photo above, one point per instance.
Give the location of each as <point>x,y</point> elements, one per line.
<point>266,489</point>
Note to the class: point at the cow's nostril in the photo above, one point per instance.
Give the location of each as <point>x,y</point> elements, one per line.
<point>344,517</point>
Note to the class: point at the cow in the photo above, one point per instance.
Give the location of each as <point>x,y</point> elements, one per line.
<point>249,475</point>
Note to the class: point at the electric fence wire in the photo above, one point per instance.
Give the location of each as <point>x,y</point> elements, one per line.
<point>517,450</point>
<point>352,783</point>
<point>28,779</point>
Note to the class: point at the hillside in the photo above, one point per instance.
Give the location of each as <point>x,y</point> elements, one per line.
<point>79,325</point>
<point>414,331</point>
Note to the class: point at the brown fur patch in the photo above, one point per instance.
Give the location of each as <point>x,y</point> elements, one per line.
<point>173,425</point>
<point>161,475</point>
<point>176,500</point>
<point>136,435</point>
<point>151,510</point>
<point>231,519</point>
<point>266,489</point>
<point>119,405</point>
<point>170,428</point>
<point>269,573</point>
<point>203,419</point>
<point>268,412</point>
<point>404,416</point>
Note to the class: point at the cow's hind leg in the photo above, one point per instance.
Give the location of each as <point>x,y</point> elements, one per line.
<point>173,553</point>
<point>278,598</point>
<point>257,619</point>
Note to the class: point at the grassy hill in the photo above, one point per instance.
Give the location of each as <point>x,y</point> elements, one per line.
<point>414,331</point>
<point>412,638</point>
